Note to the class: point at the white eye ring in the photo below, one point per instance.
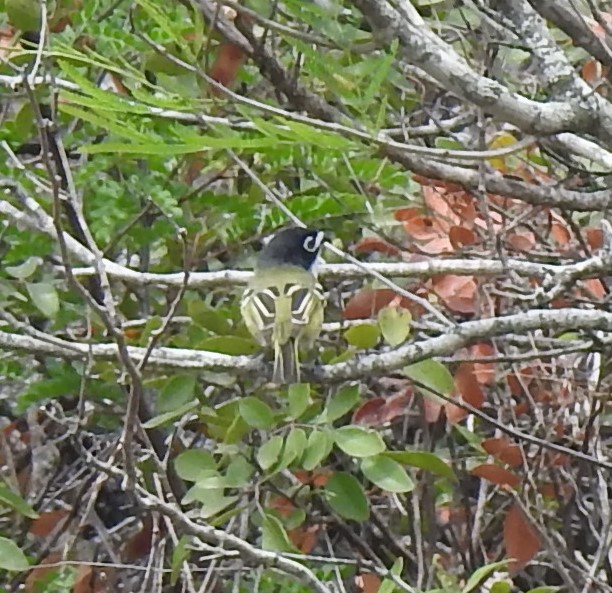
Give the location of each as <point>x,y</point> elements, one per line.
<point>312,243</point>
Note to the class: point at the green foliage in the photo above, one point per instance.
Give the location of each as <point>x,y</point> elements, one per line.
<point>363,336</point>
<point>11,556</point>
<point>12,500</point>
<point>433,374</point>
<point>152,154</point>
<point>346,497</point>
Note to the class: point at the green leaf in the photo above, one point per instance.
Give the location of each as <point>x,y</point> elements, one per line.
<point>341,403</point>
<point>238,472</point>
<point>318,447</point>
<point>424,460</point>
<point>295,445</point>
<point>545,589</point>
<point>256,413</point>
<point>481,574</point>
<point>449,143</point>
<point>394,324</point>
<point>209,481</point>
<point>45,299</point>
<point>203,143</point>
<point>161,17</point>
<point>13,500</point>
<point>24,270</point>
<point>177,392</point>
<point>358,442</point>
<point>316,137</point>
<point>233,345</point>
<point>299,399</point>
<point>209,318</point>
<point>501,587</point>
<point>388,586</point>
<point>433,374</point>
<point>179,555</point>
<point>190,464</point>
<point>168,417</point>
<point>269,452</point>
<point>274,537</point>
<point>346,497</point>
<point>110,123</point>
<point>11,556</point>
<point>213,501</point>
<point>386,474</point>
<point>380,74</point>
<point>363,336</point>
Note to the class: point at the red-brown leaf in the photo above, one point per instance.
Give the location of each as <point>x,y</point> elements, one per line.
<point>432,410</point>
<point>304,538</point>
<point>504,450</point>
<point>524,241</point>
<point>460,236</point>
<point>367,582</point>
<point>594,288</point>
<point>468,389</point>
<point>497,475</point>
<point>484,371</point>
<point>140,543</point>
<point>379,411</point>
<point>225,68</point>
<point>370,412</point>
<point>46,522</point>
<point>521,540</point>
<point>375,244</point>
<point>560,233</point>
<point>368,302</point>
<point>457,292</point>
<point>594,237</point>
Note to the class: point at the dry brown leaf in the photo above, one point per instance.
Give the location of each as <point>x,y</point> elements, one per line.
<point>504,450</point>
<point>46,522</point>
<point>227,63</point>
<point>496,475</point>
<point>521,540</point>
<point>376,244</point>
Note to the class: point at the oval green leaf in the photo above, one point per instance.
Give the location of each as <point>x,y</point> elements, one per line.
<point>433,374</point>
<point>45,299</point>
<point>423,460</point>
<point>358,442</point>
<point>299,399</point>
<point>386,474</point>
<point>346,497</point>
<point>256,413</point>
<point>209,318</point>
<point>318,447</point>
<point>363,336</point>
<point>341,403</point>
<point>178,391</point>
<point>274,537</point>
<point>269,452</point>
<point>11,556</point>
<point>190,464</point>
<point>394,324</point>
<point>24,270</point>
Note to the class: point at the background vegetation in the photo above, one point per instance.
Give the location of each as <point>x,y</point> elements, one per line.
<point>454,432</point>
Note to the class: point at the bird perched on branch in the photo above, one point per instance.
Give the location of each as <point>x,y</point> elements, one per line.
<point>283,304</point>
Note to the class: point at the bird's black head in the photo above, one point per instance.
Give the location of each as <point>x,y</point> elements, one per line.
<point>292,247</point>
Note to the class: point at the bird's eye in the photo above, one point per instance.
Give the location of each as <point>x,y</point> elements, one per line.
<point>312,243</point>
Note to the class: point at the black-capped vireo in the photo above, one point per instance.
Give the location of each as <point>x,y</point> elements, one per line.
<point>283,304</point>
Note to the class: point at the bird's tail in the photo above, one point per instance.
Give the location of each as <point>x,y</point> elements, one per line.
<point>286,363</point>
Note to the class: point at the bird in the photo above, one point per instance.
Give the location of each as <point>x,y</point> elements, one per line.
<point>283,304</point>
